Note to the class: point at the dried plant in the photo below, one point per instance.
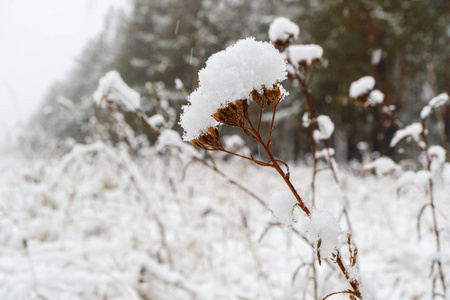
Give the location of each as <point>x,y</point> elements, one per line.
<point>367,96</point>
<point>235,113</point>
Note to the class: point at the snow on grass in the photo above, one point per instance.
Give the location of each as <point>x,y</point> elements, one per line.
<point>382,166</point>
<point>97,232</point>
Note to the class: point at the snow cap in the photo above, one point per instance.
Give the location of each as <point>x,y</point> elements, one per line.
<point>282,204</point>
<point>439,100</point>
<point>375,97</point>
<point>414,130</point>
<point>323,226</point>
<point>305,53</point>
<point>362,86</point>
<point>325,128</point>
<point>112,88</point>
<point>230,75</point>
<point>282,28</point>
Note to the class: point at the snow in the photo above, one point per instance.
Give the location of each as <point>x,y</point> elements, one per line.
<point>422,179</point>
<point>282,204</point>
<point>439,100</point>
<point>230,75</point>
<point>382,166</point>
<point>362,86</point>
<point>197,116</point>
<point>170,139</point>
<point>156,121</point>
<point>376,97</point>
<point>65,102</point>
<point>446,173</point>
<point>322,225</point>
<point>324,153</point>
<point>426,111</point>
<point>236,144</point>
<point>111,88</point>
<point>325,128</point>
<point>436,102</point>
<point>438,156</point>
<point>414,130</point>
<point>179,84</point>
<point>376,56</point>
<point>306,121</point>
<point>94,235</point>
<point>305,53</point>
<point>282,28</point>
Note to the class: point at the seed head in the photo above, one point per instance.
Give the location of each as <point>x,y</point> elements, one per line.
<point>210,139</point>
<point>234,114</point>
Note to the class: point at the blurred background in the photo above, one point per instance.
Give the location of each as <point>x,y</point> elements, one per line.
<point>403,44</point>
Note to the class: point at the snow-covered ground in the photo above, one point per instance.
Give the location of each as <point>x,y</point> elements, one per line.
<point>98,223</point>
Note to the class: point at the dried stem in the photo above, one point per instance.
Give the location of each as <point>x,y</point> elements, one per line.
<point>425,148</point>
<point>433,208</point>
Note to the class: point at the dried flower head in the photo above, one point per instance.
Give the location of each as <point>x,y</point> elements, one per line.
<point>282,32</point>
<point>360,89</point>
<point>234,114</point>
<point>208,140</point>
<point>230,76</point>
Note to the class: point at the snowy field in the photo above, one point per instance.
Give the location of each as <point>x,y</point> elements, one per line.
<point>98,223</point>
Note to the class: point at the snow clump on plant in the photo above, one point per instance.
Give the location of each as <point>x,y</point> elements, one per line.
<point>282,29</point>
<point>112,89</point>
<point>362,86</point>
<point>229,76</point>
<point>305,54</point>
<point>325,128</point>
<point>322,229</point>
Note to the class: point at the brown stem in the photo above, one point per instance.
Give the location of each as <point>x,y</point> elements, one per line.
<point>277,167</point>
<point>337,293</point>
<point>330,163</point>
<point>432,206</point>
<point>353,282</point>
<point>141,115</point>
<point>269,137</point>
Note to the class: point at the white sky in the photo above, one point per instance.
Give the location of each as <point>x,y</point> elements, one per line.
<point>38,41</point>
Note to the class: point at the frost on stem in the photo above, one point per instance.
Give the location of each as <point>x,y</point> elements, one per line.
<point>282,32</point>
<point>227,83</point>
<point>113,90</point>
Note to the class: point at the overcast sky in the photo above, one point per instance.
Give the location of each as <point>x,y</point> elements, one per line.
<point>39,40</point>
